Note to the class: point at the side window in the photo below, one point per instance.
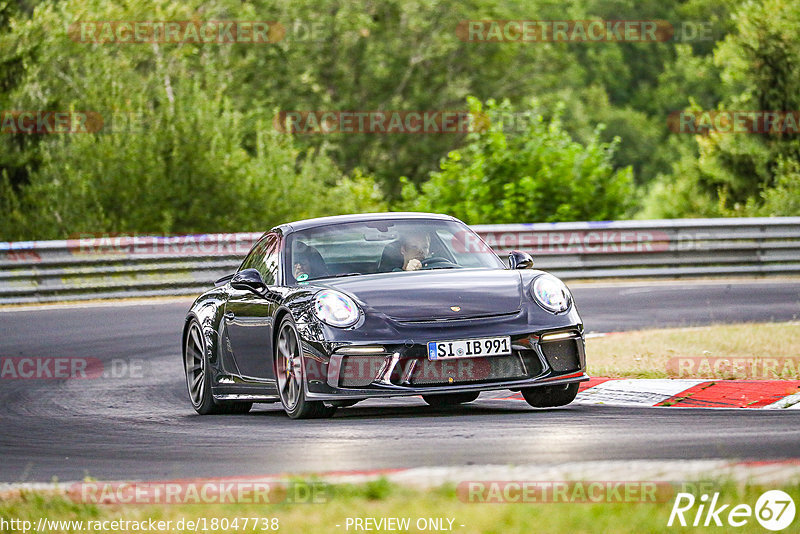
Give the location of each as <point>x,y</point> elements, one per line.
<point>255,255</point>
<point>269,266</point>
<point>264,258</point>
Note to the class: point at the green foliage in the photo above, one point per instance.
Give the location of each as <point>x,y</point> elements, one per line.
<point>784,198</point>
<point>175,155</point>
<point>185,171</point>
<point>541,174</point>
<point>678,194</point>
<point>743,174</point>
<point>206,156</point>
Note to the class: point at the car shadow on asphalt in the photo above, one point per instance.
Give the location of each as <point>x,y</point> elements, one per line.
<point>374,411</point>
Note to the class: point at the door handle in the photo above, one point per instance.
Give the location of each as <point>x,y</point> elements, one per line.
<point>230,315</point>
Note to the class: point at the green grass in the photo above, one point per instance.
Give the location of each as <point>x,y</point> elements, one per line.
<point>383,499</point>
<point>648,353</point>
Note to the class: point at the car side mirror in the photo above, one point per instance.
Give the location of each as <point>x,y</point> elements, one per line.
<point>224,280</point>
<point>520,260</point>
<point>250,280</point>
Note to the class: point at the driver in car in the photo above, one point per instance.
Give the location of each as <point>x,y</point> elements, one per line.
<point>302,266</point>
<point>308,263</point>
<point>414,248</point>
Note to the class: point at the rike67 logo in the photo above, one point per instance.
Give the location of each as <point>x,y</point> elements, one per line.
<point>774,510</point>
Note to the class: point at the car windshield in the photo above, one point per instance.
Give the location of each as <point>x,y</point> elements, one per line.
<point>384,246</point>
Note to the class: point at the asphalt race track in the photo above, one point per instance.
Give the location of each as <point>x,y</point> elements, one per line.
<point>140,424</point>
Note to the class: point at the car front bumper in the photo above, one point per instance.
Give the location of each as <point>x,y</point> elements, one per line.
<point>359,371</point>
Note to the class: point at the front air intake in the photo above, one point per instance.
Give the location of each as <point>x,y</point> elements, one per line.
<point>360,371</point>
<point>563,355</point>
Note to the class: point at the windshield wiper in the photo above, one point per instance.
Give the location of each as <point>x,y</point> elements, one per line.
<point>340,275</point>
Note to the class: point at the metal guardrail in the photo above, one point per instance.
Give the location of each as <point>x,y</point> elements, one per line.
<point>108,266</point>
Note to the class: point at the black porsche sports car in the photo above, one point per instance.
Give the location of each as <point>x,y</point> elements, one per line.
<point>327,312</point>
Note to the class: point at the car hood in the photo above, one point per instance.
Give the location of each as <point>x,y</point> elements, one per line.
<point>436,294</point>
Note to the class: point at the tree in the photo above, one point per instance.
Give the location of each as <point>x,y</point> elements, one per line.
<point>739,172</point>
<point>537,174</point>
<point>175,153</point>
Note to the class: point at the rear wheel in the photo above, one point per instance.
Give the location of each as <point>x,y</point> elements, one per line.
<point>198,377</point>
<point>290,375</point>
<point>450,399</point>
<point>551,396</point>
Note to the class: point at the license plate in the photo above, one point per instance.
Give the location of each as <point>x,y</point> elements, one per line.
<point>469,348</point>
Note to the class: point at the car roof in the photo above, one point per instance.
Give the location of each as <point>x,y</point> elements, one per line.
<point>360,217</point>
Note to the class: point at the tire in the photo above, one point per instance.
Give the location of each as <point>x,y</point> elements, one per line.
<point>551,396</point>
<point>290,375</point>
<point>450,399</point>
<point>198,377</point>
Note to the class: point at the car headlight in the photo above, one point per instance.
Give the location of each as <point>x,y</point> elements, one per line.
<point>551,293</point>
<point>335,309</point>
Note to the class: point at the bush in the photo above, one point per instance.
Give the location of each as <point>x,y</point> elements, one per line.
<point>189,160</point>
<point>537,174</point>
<point>743,174</point>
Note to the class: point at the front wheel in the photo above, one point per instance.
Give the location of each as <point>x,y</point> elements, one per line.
<point>450,399</point>
<point>290,375</point>
<point>551,396</point>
